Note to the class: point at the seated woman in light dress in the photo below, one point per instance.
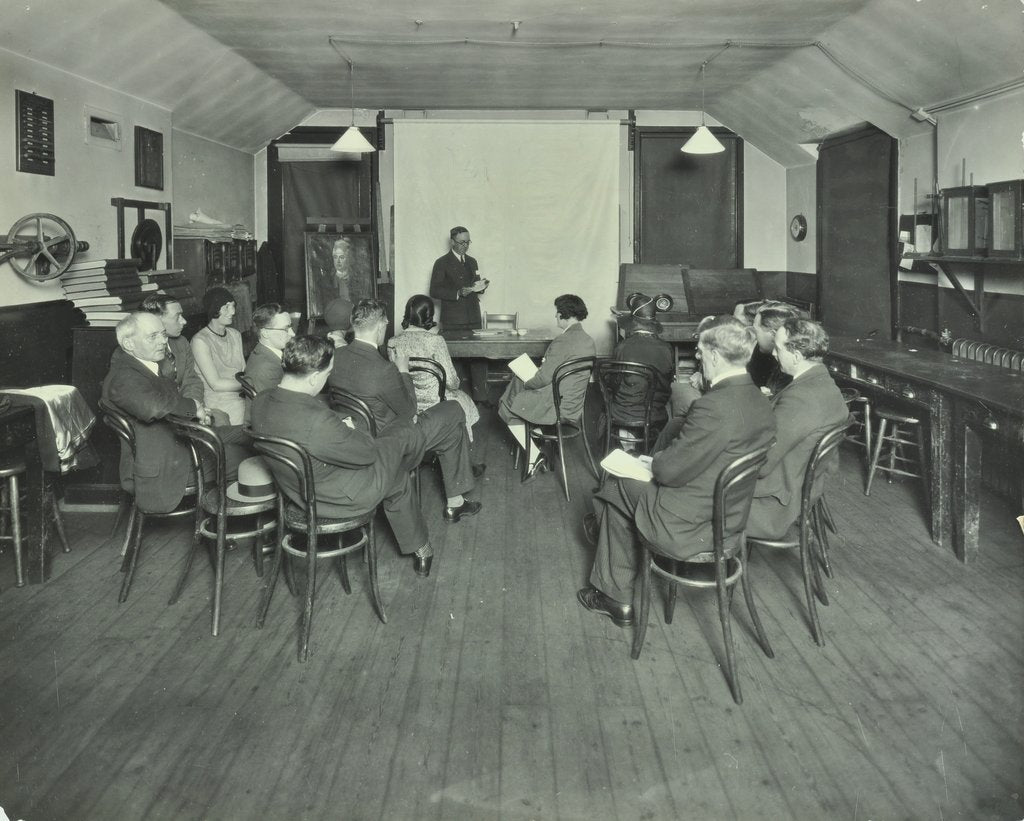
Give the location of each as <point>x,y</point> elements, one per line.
<point>217,349</point>
<point>419,338</point>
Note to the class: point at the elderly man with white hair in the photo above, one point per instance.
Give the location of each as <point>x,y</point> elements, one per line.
<point>673,511</point>
<point>160,469</point>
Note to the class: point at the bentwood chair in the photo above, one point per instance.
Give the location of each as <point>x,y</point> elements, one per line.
<point>345,401</point>
<point>572,375</point>
<point>219,509</point>
<point>813,522</point>
<point>290,457</point>
<point>190,506</point>
<point>627,390</point>
<point>734,491</point>
<point>425,370</point>
<point>248,389</point>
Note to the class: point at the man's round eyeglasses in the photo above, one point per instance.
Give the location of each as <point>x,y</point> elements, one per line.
<point>463,241</point>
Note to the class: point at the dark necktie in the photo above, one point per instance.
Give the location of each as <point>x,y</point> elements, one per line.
<point>170,368</point>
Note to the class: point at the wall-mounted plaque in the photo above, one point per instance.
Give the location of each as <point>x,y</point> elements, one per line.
<point>149,158</point>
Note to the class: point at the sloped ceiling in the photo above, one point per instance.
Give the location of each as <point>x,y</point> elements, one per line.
<point>142,48</point>
<point>795,70</point>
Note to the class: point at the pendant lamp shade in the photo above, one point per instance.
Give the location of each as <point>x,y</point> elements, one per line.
<point>353,142</point>
<point>702,141</point>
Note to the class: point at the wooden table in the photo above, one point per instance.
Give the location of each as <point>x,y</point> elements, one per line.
<point>498,345</point>
<point>965,400</point>
<point>18,439</point>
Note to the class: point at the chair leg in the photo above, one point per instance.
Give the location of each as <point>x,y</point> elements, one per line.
<point>133,515</point>
<point>123,506</point>
<point>670,602</point>
<point>826,513</point>
<point>748,596</point>
<point>820,531</point>
<point>257,546</point>
<point>873,466</point>
<point>58,521</point>
<point>894,448</point>
<point>132,557</point>
<point>15,506</point>
<point>179,588</point>
<point>867,431</point>
<point>812,610</point>
<point>645,603</point>
<point>268,589</point>
<point>307,611</point>
<point>561,462</point>
<point>370,551</point>
<point>346,585</point>
<point>289,575</point>
<point>587,450</point>
<point>218,573</point>
<point>725,617</point>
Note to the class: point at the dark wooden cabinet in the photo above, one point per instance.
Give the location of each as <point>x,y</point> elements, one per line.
<point>208,263</point>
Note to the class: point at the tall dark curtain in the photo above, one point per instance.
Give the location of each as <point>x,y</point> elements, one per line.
<point>333,191</point>
<point>689,206</point>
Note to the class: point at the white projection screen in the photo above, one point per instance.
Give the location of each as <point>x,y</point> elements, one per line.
<point>540,200</point>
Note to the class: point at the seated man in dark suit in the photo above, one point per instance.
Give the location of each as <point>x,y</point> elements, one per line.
<point>673,511</point>
<point>805,410</point>
<point>644,344</point>
<point>135,386</point>
<point>353,472</point>
<point>273,331</point>
<point>178,362</point>
<point>387,388</point>
<point>764,367</point>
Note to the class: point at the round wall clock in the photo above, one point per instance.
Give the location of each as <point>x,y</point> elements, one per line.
<point>798,227</point>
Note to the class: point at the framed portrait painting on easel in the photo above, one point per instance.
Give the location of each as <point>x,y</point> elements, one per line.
<point>338,264</point>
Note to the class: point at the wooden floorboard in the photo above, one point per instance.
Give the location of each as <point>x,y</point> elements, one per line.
<point>490,694</point>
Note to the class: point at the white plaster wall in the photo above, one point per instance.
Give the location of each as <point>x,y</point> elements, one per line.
<point>801,198</point>
<point>87,176</point>
<point>214,177</point>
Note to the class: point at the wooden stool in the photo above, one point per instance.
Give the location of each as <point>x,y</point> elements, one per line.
<point>10,508</point>
<point>896,462</point>
<point>860,411</point>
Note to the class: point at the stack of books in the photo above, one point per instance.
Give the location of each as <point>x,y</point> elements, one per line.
<point>107,290</point>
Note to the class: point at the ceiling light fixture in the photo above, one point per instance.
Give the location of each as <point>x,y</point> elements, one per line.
<point>352,141</point>
<point>702,141</point>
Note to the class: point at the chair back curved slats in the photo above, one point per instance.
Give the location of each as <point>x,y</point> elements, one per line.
<point>569,382</point>
<point>248,389</point>
<point>118,423</point>
<point>345,401</point>
<point>827,445</point>
<point>294,458</point>
<point>734,493</point>
<point>630,385</point>
<point>433,370</point>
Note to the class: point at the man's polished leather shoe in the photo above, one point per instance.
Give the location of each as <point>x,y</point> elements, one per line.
<point>479,470</point>
<point>594,599</point>
<point>591,528</point>
<point>421,564</point>
<point>467,508</point>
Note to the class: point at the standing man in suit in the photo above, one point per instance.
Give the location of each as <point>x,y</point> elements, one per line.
<point>273,331</point>
<point>455,282</point>
<point>135,386</point>
<point>673,511</point>
<point>533,400</point>
<point>805,410</point>
<point>353,472</point>
<point>178,362</point>
<point>387,389</point>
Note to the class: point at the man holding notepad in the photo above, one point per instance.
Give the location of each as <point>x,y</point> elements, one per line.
<point>673,509</point>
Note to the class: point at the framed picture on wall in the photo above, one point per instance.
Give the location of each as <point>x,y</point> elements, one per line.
<point>149,158</point>
<point>338,265</point>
